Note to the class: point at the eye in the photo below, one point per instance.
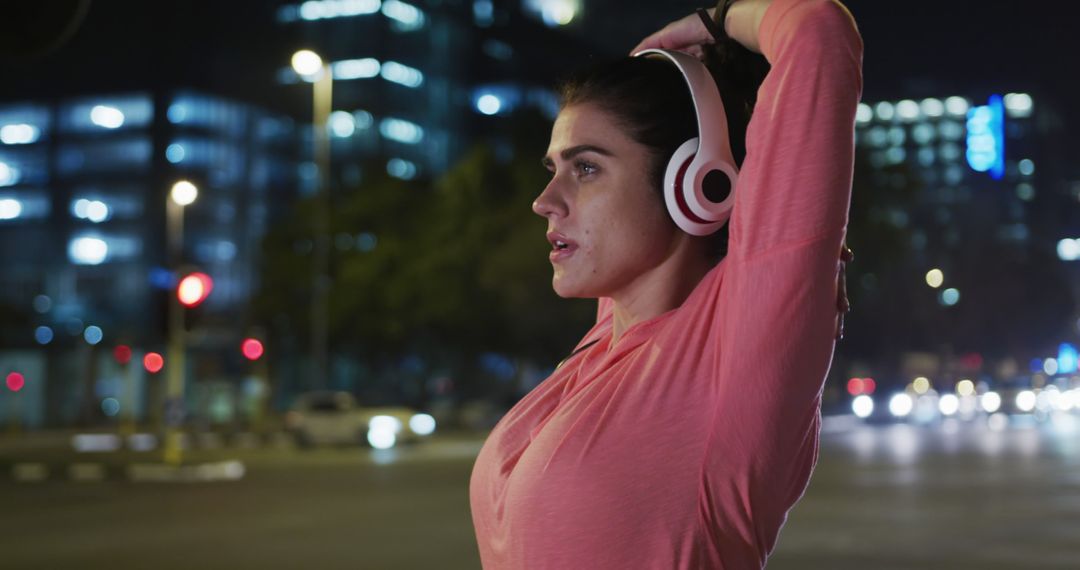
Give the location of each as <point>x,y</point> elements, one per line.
<point>585,168</point>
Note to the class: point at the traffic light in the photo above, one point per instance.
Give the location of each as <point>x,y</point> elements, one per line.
<point>153,362</point>
<point>122,354</point>
<point>194,288</point>
<point>252,348</point>
<point>15,381</point>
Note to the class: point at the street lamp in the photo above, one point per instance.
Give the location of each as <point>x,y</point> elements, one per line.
<point>313,69</point>
<point>183,194</point>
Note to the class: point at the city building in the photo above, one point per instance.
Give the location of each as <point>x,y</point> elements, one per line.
<point>84,233</point>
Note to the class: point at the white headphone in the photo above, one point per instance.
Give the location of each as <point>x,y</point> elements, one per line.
<point>703,162</point>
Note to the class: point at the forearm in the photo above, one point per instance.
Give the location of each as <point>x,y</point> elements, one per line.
<point>743,21</point>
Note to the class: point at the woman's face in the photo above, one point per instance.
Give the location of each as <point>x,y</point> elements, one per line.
<point>606,223</point>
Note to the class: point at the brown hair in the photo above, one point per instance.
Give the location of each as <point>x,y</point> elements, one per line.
<point>650,99</point>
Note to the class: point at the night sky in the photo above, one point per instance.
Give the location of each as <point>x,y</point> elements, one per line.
<point>912,49</point>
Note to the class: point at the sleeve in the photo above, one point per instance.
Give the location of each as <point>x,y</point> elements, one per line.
<point>796,179</point>
<point>777,307</point>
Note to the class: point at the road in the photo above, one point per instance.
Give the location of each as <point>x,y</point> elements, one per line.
<point>956,496</point>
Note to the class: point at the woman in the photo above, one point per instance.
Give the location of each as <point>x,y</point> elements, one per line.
<point>685,425</point>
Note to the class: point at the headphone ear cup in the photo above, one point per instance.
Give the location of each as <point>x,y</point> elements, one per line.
<point>679,190</point>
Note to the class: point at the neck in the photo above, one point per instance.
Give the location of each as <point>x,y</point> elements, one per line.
<point>658,291</point>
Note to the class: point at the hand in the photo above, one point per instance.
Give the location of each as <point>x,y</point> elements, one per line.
<point>687,35</point>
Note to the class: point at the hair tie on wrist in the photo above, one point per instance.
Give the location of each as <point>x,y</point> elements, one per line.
<point>717,34</point>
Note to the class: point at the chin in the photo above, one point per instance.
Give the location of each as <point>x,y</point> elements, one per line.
<point>568,289</point>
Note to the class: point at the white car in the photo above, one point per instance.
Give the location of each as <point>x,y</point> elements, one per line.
<point>334,418</point>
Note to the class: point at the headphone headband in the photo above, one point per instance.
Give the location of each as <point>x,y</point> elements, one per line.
<point>699,157</point>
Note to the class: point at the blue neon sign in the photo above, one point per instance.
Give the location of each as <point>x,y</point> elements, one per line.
<point>986,137</point>
<point>1066,358</point>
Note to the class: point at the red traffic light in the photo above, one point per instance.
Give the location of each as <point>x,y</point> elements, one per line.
<point>15,381</point>
<point>252,348</point>
<point>193,289</point>
<point>153,362</point>
<point>122,354</point>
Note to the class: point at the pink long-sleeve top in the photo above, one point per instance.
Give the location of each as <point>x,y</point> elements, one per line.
<point>684,444</point>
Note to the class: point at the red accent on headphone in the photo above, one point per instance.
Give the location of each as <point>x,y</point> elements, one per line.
<point>680,198</point>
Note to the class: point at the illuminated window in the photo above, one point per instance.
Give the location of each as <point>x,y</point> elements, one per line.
<point>1018,105</point>
<point>483,13</point>
<point>553,12</point>
<point>355,68</point>
<point>329,9</point>
<point>401,74</point>
<point>401,130</point>
<point>406,17</point>
<point>400,168</point>
<point>23,165</point>
<point>107,114</point>
<point>23,124</point>
<point>24,205</point>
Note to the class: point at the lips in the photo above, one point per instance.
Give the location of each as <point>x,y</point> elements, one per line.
<point>562,247</point>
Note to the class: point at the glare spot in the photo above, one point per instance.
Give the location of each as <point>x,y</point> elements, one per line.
<point>305,62</point>
<point>175,153</point>
<point>488,104</point>
<point>965,387</point>
<point>387,423</point>
<point>107,117</point>
<point>355,68</point>
<point>935,278</point>
<point>1050,366</point>
<point>422,424</point>
<point>401,130</point>
<point>381,438</point>
<point>88,250</point>
<point>948,404</point>
<point>907,110</point>
<point>1025,401</point>
<point>957,106</point>
<point>400,168</point>
<point>885,111</point>
<point>97,211</point>
<point>92,334</point>
<point>920,385</point>
<point>932,107</point>
<point>10,208</point>
<point>862,406</point>
<point>342,124</point>
<point>409,16</point>
<point>864,114</point>
<point>1068,249</point>
<point>184,193</point>
<point>1027,167</point>
<point>900,405</point>
<point>991,402</point>
<point>110,406</point>
<point>402,74</point>
<point>19,134</point>
<point>1018,104</point>
<point>950,297</point>
<point>43,335</point>
<point>9,175</point>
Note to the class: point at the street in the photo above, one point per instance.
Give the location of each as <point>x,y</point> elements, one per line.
<point>951,496</point>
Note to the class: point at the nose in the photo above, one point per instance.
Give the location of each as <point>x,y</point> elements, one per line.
<point>551,201</point>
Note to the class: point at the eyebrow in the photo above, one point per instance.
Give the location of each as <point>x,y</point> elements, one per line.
<point>573,151</point>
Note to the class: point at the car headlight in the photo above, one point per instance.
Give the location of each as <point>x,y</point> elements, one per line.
<point>389,424</point>
<point>422,424</point>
